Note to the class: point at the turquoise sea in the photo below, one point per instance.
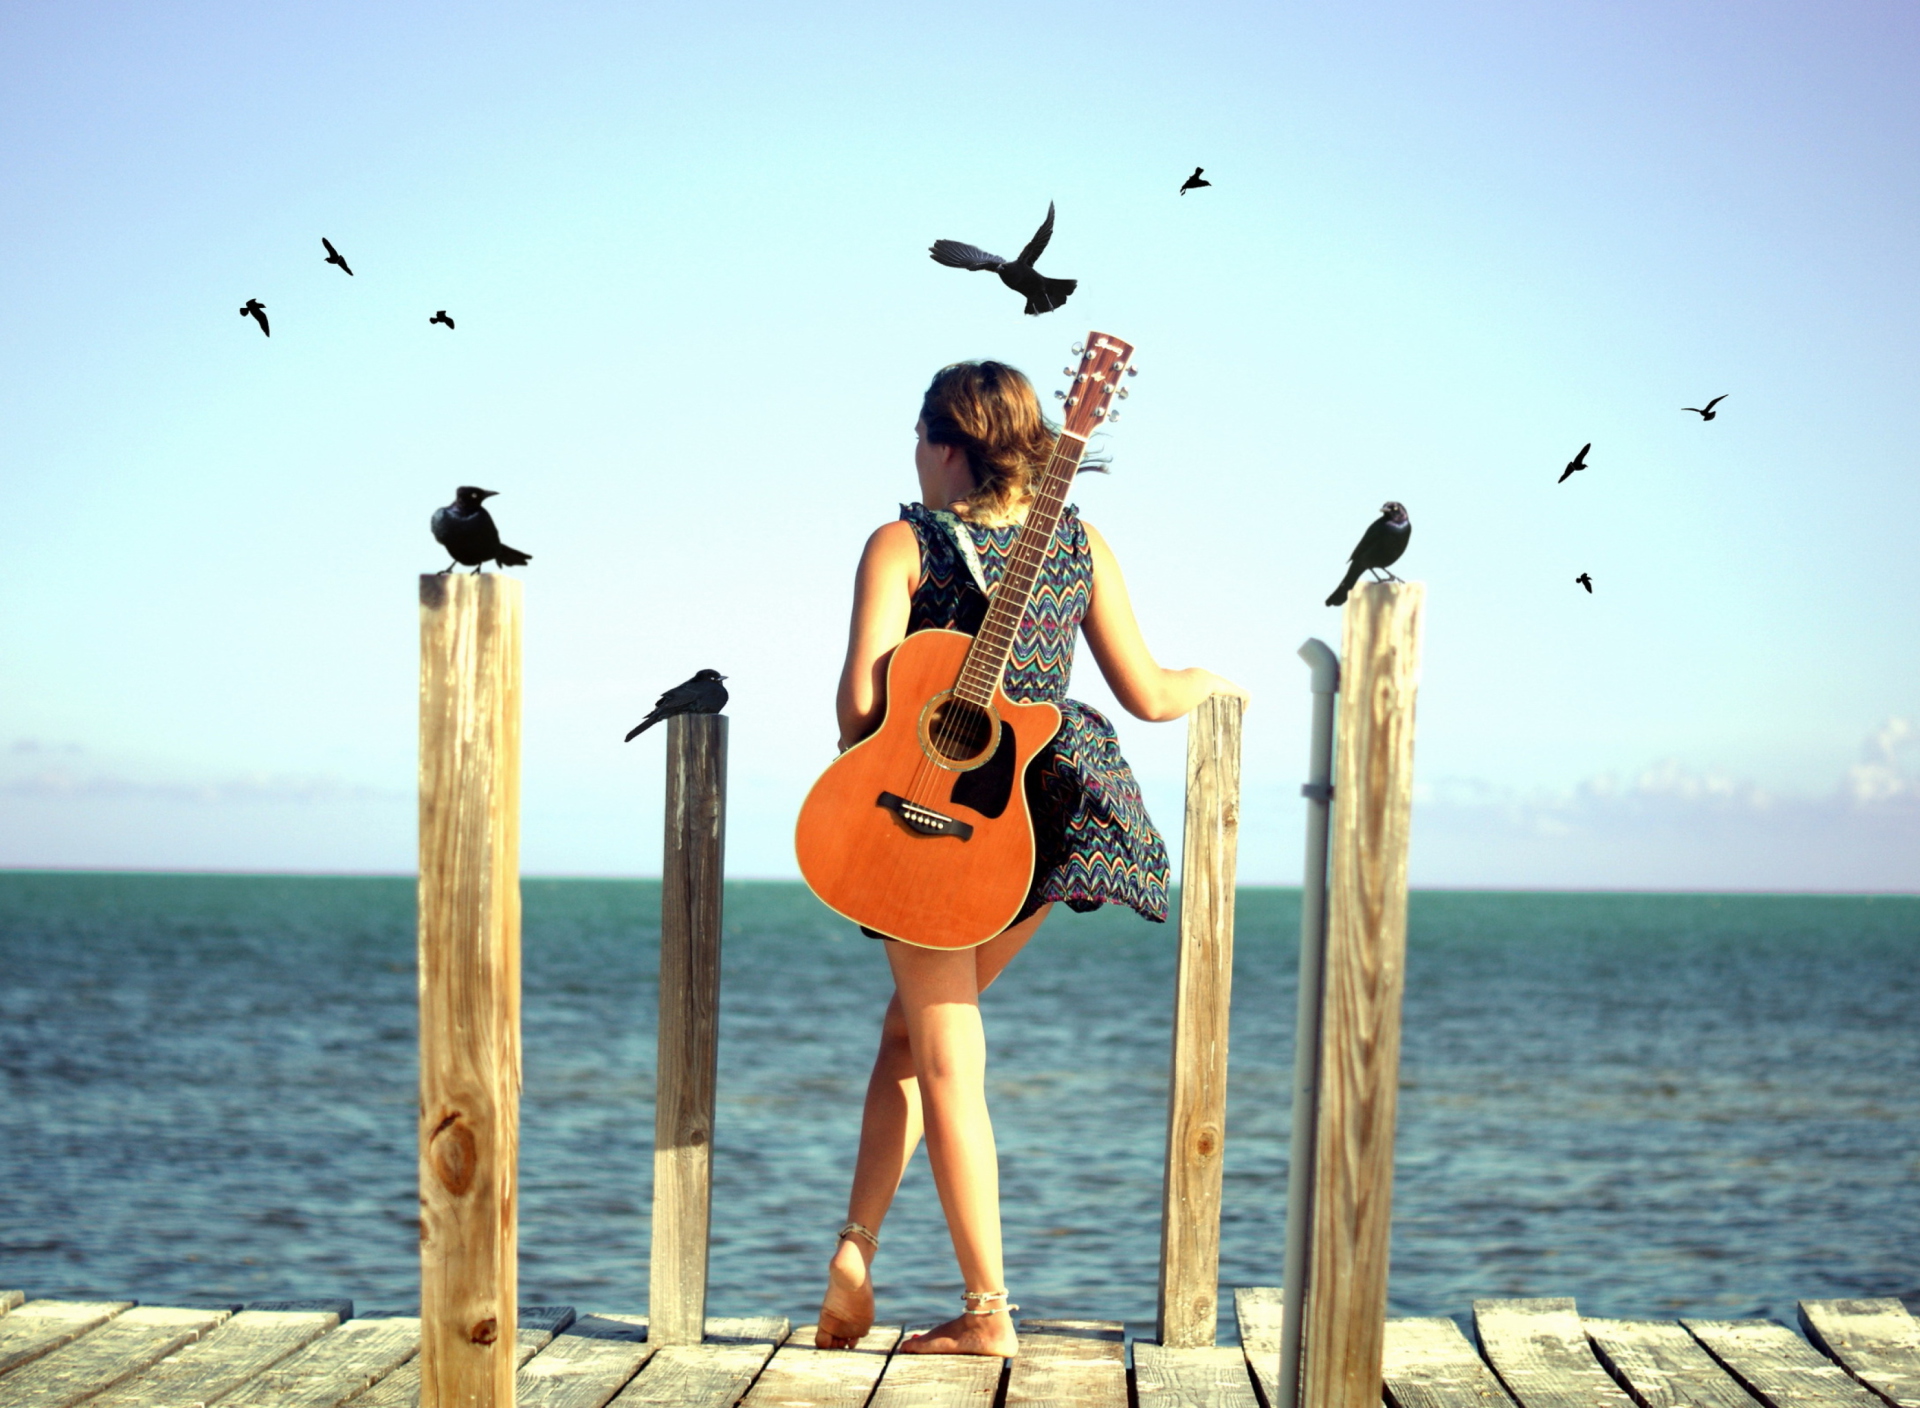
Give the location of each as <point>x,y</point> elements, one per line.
<point>1659,1104</point>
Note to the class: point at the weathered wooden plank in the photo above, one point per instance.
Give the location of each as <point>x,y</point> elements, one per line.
<point>747,1329</point>
<point>1662,1366</point>
<point>800,1376</point>
<point>1778,1367</point>
<point>587,1364</point>
<point>340,1306</point>
<point>938,1380</point>
<point>1426,1362</point>
<point>1069,1364</point>
<point>10,1300</point>
<point>1876,1341</point>
<point>334,1367</point>
<point>220,1361</point>
<point>1189,1310</point>
<point>696,1376</point>
<point>538,1324</point>
<point>689,1028</point>
<point>469,967</point>
<point>1344,1309</point>
<point>42,1326</point>
<point>123,1346</point>
<point>1259,1309</point>
<point>1539,1349</point>
<point>1165,1377</point>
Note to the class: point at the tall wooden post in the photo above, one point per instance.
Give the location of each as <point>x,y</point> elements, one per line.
<point>1359,1067</point>
<point>1197,1095</point>
<point>689,1026</point>
<point>469,987</point>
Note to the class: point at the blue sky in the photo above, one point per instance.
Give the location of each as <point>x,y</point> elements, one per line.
<point>685,247</point>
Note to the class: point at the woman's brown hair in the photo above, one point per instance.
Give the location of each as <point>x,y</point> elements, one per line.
<point>989,410</point>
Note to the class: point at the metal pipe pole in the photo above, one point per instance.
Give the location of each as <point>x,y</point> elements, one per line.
<point>1306,1040</point>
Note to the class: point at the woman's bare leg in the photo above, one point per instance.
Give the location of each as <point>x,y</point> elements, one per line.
<point>890,1130</point>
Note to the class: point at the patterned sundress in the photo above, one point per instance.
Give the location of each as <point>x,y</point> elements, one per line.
<point>1094,843</point>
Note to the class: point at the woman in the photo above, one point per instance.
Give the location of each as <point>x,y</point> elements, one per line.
<point>981,445</point>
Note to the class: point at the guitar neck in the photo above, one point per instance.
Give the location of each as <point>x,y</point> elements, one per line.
<point>987,658</point>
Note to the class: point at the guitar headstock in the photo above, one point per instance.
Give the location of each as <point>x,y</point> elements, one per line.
<point>1095,394</point>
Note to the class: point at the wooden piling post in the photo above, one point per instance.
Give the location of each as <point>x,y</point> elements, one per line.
<point>1352,1198</point>
<point>1197,1094</point>
<point>696,836</point>
<point>470,629</point>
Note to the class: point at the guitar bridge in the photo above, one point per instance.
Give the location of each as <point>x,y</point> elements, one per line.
<point>924,820</point>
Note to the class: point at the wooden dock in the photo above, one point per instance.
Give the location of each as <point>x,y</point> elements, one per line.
<point>1529,1354</point>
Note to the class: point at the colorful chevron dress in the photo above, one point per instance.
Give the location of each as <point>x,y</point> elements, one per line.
<point>1094,842</point>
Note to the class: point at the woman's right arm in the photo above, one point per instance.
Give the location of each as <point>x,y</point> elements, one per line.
<point>882,602</point>
<point>1145,688</point>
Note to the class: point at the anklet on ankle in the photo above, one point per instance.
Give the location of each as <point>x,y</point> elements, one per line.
<point>860,1230</point>
<point>979,1297</point>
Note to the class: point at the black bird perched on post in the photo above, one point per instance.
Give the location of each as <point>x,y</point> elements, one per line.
<point>1194,182</point>
<point>441,317</point>
<point>1378,549</point>
<point>1584,580</point>
<point>1706,412</point>
<point>703,694</point>
<point>1578,462</point>
<point>257,310</point>
<point>1043,295</point>
<point>466,531</point>
<point>334,256</point>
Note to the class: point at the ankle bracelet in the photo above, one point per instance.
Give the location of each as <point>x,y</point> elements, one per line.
<point>974,1303</point>
<point>860,1230</point>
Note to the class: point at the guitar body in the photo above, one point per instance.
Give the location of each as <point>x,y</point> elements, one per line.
<point>921,830</point>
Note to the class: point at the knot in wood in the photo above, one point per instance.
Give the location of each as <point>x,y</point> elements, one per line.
<point>1206,1141</point>
<point>455,1155</point>
<point>696,1137</point>
<point>486,1332</point>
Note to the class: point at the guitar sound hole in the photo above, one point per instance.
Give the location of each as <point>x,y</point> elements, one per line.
<point>959,731</point>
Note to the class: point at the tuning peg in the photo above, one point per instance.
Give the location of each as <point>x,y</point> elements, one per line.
<point>1078,348</point>
<point>1123,393</point>
<point>1059,395</point>
<point>1133,371</point>
<point>1113,415</point>
<point>1100,413</point>
<point>1066,371</point>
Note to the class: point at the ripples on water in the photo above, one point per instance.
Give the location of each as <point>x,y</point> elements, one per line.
<point>1659,1104</point>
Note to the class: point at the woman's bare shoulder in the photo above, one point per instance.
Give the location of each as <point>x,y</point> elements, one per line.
<point>893,539</point>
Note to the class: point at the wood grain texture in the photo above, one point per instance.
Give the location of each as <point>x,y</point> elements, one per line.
<point>585,1365</point>
<point>118,1349</point>
<point>696,1376</point>
<point>335,1367</point>
<point>221,1361</point>
<point>748,1329</point>
<point>1166,1377</point>
<point>1189,1309</point>
<point>470,648</point>
<point>800,1376</point>
<point>42,1326</point>
<point>340,1306</point>
<point>1876,1341</point>
<point>1069,1364</point>
<point>1662,1366</point>
<point>1426,1362</point>
<point>1539,1349</point>
<point>690,919</point>
<point>1345,1305</point>
<point>401,1388</point>
<point>938,1380</point>
<point>10,1300</point>
<point>1778,1367</point>
<point>1259,1309</point>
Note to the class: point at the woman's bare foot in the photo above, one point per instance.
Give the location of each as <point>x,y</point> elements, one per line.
<point>968,1334</point>
<point>846,1314</point>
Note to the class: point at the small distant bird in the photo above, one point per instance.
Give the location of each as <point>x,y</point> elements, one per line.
<point>1584,580</point>
<point>257,310</point>
<point>1194,182</point>
<point>703,694</point>
<point>1579,461</point>
<point>1706,412</point>
<point>441,317</point>
<point>333,255</point>
<point>1043,295</point>
<point>466,531</point>
<point>1378,549</point>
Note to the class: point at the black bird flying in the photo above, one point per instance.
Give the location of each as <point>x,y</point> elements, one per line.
<point>1378,549</point>
<point>333,255</point>
<point>466,531</point>
<point>1043,295</point>
<point>441,317</point>
<point>1578,462</point>
<point>257,310</point>
<point>703,694</point>
<point>1706,412</point>
<point>1194,182</point>
<point>1584,580</point>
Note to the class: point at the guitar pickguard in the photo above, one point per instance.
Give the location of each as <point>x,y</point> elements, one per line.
<point>989,787</point>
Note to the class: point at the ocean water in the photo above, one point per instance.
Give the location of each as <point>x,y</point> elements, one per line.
<point>1659,1104</point>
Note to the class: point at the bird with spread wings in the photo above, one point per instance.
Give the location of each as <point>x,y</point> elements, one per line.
<point>1043,295</point>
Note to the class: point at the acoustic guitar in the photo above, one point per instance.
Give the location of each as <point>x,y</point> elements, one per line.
<point>921,831</point>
